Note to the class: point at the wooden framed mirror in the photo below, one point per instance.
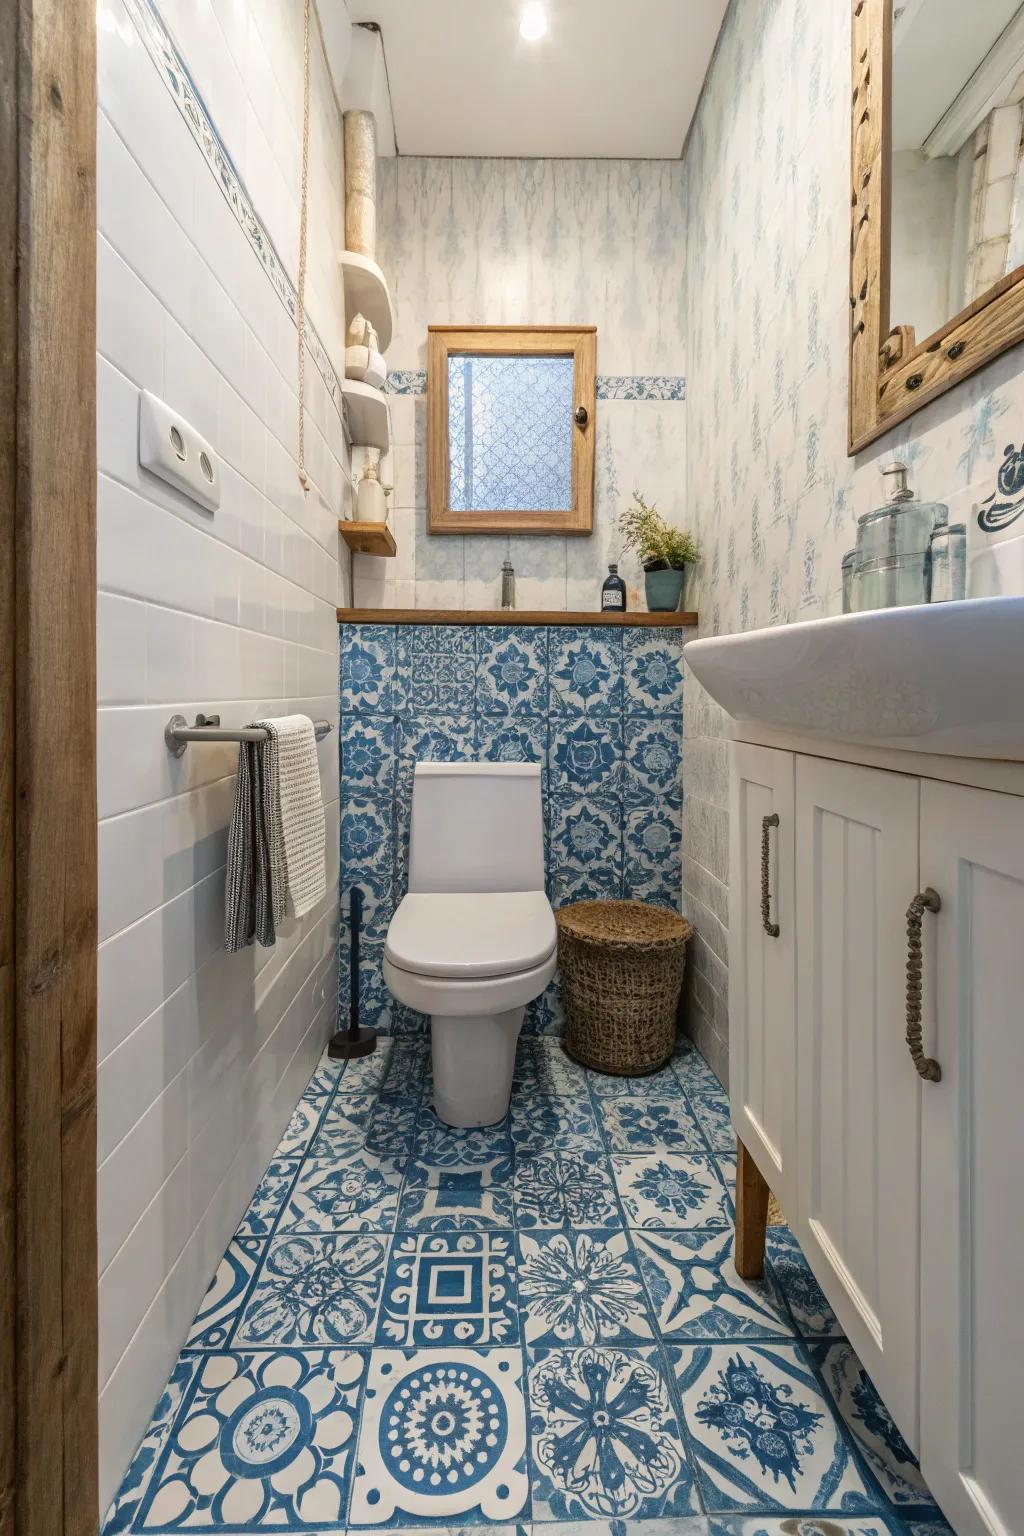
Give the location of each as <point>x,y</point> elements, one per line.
<point>937,204</point>
<point>510,428</point>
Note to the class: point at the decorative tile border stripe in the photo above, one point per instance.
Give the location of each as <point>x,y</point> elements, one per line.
<point>641,386</point>
<point>174,72</point>
<point>610,386</point>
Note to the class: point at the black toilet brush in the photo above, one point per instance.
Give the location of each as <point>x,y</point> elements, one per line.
<point>356,1040</point>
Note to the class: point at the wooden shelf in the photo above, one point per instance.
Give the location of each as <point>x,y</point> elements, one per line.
<point>368,539</point>
<point>366,293</point>
<point>508,616</point>
<point>368,416</point>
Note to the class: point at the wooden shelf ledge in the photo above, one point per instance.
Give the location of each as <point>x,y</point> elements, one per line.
<point>368,539</point>
<point>508,616</point>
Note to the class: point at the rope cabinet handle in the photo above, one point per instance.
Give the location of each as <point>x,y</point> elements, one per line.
<point>925,901</point>
<point>770,928</point>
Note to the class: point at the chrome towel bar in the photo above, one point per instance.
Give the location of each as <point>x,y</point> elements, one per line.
<point>178,733</point>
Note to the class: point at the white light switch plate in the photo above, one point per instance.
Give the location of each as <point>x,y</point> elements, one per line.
<point>171,448</point>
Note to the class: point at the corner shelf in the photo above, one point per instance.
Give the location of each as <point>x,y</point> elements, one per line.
<point>366,293</point>
<point>367,413</point>
<point>369,538</point>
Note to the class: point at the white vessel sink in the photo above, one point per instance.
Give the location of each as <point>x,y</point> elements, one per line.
<point>945,678</point>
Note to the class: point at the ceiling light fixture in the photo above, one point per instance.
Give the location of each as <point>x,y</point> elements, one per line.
<point>533,23</point>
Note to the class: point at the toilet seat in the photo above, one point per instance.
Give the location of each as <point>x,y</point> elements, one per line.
<point>464,937</point>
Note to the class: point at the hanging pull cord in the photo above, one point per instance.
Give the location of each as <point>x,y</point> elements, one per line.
<point>301,294</point>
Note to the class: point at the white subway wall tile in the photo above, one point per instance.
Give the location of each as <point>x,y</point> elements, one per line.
<point>203,1053</point>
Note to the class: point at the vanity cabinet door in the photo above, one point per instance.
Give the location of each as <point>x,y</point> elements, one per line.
<point>762,1015</point>
<point>972,1213</point>
<point>859,1103</point>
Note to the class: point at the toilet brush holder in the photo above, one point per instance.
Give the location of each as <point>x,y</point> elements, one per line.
<point>356,1040</point>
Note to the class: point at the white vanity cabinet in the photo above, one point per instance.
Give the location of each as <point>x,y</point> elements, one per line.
<point>906,1193</point>
<point>972,1185</point>
<point>762,962</point>
<point>858,1101</point>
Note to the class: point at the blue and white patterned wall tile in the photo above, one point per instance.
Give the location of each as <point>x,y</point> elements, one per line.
<point>600,709</point>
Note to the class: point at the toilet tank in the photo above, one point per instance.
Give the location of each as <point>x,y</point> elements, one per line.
<point>476,827</point>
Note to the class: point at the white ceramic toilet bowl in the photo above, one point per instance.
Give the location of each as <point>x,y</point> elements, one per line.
<point>473,962</point>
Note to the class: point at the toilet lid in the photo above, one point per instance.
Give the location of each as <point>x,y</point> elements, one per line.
<point>484,934</point>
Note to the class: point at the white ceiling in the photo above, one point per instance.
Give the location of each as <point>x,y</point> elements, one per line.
<point>937,46</point>
<point>616,78</point>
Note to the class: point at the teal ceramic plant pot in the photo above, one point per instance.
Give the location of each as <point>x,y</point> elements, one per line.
<point>664,589</point>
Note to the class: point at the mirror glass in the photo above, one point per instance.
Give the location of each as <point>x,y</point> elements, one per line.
<point>509,433</point>
<point>957,182</point>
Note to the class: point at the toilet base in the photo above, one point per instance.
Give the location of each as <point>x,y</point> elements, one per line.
<point>474,1058</point>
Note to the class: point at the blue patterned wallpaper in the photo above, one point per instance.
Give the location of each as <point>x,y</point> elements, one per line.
<point>599,707</point>
<point>535,242</point>
<point>771,493</point>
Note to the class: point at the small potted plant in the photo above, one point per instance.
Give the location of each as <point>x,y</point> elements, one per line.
<point>663,551</point>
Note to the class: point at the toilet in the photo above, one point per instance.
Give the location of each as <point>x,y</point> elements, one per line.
<point>474,940</point>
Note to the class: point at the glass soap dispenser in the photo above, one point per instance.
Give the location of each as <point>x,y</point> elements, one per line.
<point>893,566</point>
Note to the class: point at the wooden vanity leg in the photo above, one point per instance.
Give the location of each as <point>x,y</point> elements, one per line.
<point>751,1216</point>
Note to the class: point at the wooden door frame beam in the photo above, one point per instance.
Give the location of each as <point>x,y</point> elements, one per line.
<point>48,1426</point>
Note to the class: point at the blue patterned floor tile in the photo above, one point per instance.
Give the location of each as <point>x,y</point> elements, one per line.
<point>693,1071</point>
<point>120,1516</point>
<point>308,1111</point>
<point>512,670</point>
<point>311,1290</point>
<point>665,1189</point>
<point>260,1442</point>
<point>442,1439</point>
<point>565,1189</point>
<point>712,1111</point>
<point>605,1439</point>
<point>662,1084</point>
<point>457,1200</point>
<point>887,1454</point>
<point>696,1292</point>
<point>638,1123</point>
<point>542,1068</point>
<point>270,1197</point>
<point>653,672</point>
<point>585,671</point>
<point>542,1124</point>
<point>679,1525</point>
<point>581,1288</point>
<point>444,1146</point>
<point>809,1525</point>
<point>811,1313</point>
<point>226,1294</point>
<point>359,1195</point>
<point>762,1432</point>
<point>450,1289</point>
<point>383,1126</point>
<point>364,1075</point>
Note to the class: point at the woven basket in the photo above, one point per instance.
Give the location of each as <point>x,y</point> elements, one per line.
<point>621,964</point>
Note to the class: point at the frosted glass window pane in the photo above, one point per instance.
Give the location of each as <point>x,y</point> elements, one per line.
<point>510,434</point>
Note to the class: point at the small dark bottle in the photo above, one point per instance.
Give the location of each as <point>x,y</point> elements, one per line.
<point>613,593</point>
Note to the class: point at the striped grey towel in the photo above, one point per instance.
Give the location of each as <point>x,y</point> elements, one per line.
<point>255,896</point>
<point>303,823</point>
<point>277,839</point>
